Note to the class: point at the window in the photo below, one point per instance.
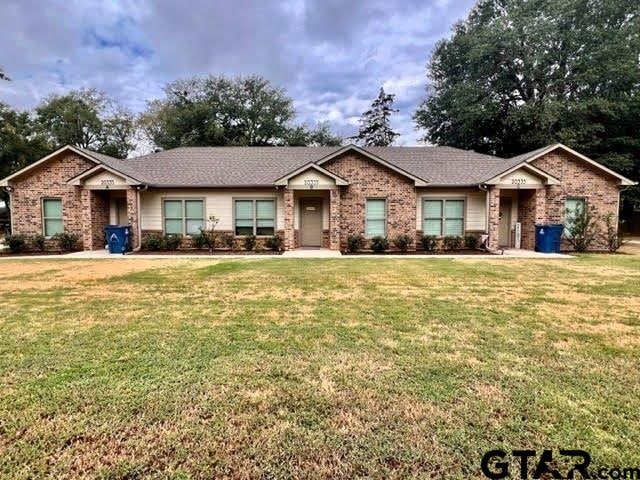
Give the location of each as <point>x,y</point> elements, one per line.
<point>52,216</point>
<point>572,208</point>
<point>376,217</point>
<point>183,217</point>
<point>255,217</point>
<point>443,217</point>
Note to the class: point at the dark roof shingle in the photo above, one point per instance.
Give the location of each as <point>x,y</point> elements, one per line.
<point>256,166</point>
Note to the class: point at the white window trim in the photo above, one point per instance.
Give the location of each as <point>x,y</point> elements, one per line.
<point>366,215</point>
<point>184,214</point>
<point>255,214</point>
<point>443,217</point>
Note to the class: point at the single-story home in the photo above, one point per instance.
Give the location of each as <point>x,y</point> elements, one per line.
<point>311,196</point>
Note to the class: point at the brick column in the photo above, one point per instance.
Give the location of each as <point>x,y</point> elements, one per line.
<point>87,232</point>
<point>132,216</point>
<point>334,218</point>
<point>493,227</point>
<point>289,230</point>
<point>541,206</point>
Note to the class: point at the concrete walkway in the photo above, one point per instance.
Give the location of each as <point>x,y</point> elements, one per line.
<point>299,253</point>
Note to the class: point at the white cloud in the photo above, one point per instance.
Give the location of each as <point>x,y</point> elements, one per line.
<point>330,55</point>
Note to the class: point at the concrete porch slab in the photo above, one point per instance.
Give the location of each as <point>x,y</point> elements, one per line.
<point>312,253</point>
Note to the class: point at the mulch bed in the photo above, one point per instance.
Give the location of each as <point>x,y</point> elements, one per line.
<point>421,252</point>
<point>205,253</point>
<point>7,253</point>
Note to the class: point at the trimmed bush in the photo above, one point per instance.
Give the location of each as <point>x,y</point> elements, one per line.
<point>227,240</point>
<point>38,242</point>
<point>67,242</point>
<point>355,242</point>
<point>403,241</point>
<point>430,243</point>
<point>274,243</point>
<point>152,242</point>
<point>16,243</point>
<point>172,241</point>
<point>471,242</point>
<point>249,242</point>
<point>200,240</point>
<point>452,242</point>
<point>379,244</point>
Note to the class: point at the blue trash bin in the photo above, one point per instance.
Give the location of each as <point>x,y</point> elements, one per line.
<point>548,238</point>
<point>118,238</point>
<point>556,230</point>
<point>544,239</point>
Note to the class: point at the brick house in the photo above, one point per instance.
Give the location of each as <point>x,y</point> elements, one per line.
<point>311,196</point>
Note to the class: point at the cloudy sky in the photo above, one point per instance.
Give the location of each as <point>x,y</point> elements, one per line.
<point>330,55</point>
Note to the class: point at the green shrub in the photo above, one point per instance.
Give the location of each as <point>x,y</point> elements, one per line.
<point>430,243</point>
<point>379,244</point>
<point>274,243</point>
<point>452,242</point>
<point>16,243</point>
<point>403,241</point>
<point>355,242</point>
<point>67,242</point>
<point>38,242</point>
<point>172,241</point>
<point>152,242</point>
<point>227,240</point>
<point>249,242</point>
<point>471,242</point>
<point>581,229</point>
<point>613,233</point>
<point>200,240</point>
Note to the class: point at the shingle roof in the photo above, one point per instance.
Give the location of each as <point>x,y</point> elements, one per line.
<point>254,166</point>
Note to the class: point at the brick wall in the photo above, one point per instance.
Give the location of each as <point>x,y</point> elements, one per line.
<point>578,179</point>
<point>368,179</point>
<point>49,181</point>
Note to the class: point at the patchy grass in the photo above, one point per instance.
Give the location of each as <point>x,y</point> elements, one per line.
<point>279,368</point>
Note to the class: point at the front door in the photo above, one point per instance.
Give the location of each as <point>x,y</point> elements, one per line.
<point>121,211</point>
<point>310,222</point>
<point>504,238</point>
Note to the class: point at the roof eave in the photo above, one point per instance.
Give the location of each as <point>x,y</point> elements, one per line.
<point>77,180</point>
<point>284,180</point>
<point>623,180</point>
<point>419,182</point>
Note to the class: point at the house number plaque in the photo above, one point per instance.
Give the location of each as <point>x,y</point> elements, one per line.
<point>311,183</point>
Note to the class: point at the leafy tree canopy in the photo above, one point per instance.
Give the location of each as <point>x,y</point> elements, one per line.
<point>375,128</point>
<point>87,119</point>
<point>20,143</point>
<point>215,111</point>
<point>521,74</point>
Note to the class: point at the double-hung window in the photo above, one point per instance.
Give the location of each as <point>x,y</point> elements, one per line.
<point>376,217</point>
<point>573,208</point>
<point>52,216</point>
<point>183,216</point>
<point>255,216</point>
<point>443,217</point>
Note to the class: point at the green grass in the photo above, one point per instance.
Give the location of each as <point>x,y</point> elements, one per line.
<point>277,368</point>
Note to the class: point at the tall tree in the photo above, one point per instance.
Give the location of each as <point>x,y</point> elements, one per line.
<point>520,74</point>
<point>20,143</point>
<point>87,119</point>
<point>375,127</point>
<point>320,136</point>
<point>3,76</point>
<point>219,111</point>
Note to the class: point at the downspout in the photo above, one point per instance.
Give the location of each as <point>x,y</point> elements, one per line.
<point>139,228</point>
<point>485,189</point>
<point>10,206</point>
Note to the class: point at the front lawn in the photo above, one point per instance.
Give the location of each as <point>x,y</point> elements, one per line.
<point>289,368</point>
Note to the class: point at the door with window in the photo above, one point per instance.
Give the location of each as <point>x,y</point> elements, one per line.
<point>504,231</point>
<point>310,222</point>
